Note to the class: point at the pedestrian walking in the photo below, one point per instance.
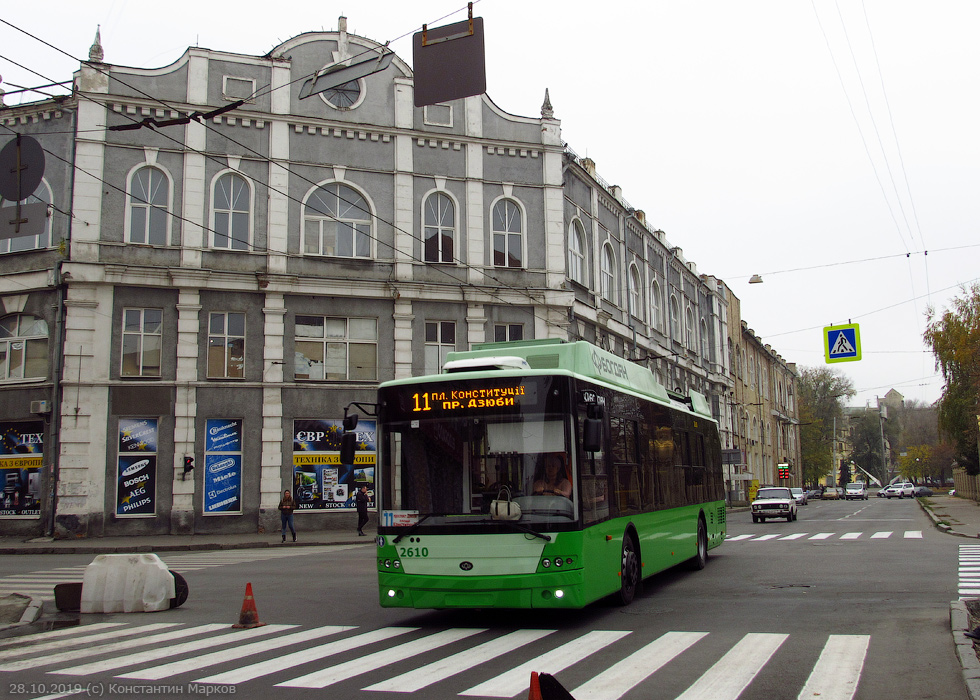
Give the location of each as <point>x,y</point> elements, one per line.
<point>286,507</point>
<point>361,501</point>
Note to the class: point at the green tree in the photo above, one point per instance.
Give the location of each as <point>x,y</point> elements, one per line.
<point>822,392</point>
<point>915,465</point>
<point>865,432</point>
<point>954,338</point>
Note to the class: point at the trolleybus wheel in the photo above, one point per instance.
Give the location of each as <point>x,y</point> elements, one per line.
<point>630,573</point>
<point>700,559</point>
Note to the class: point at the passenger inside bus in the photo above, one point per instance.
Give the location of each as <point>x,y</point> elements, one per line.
<point>553,478</point>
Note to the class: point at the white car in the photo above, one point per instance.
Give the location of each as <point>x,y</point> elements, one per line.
<point>799,495</point>
<point>774,502</point>
<point>856,489</point>
<point>900,489</point>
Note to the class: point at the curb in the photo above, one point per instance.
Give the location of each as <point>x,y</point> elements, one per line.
<point>948,529</point>
<point>29,616</point>
<point>959,620</point>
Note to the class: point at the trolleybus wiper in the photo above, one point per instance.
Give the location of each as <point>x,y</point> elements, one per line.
<point>415,526</point>
<point>522,528</point>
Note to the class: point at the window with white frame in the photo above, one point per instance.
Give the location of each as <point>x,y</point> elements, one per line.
<point>705,350</point>
<point>23,348</point>
<point>635,302</point>
<point>675,319</point>
<point>142,342</point>
<point>226,345</point>
<point>689,329</point>
<point>508,234</point>
<point>42,195</point>
<point>439,226</point>
<point>149,206</point>
<point>576,253</point>
<point>657,304</point>
<point>607,274</point>
<point>337,222</point>
<point>336,348</point>
<point>231,206</point>
<point>440,340</point>
<point>508,331</point>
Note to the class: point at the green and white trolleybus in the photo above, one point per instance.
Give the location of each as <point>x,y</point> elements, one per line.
<point>540,474</point>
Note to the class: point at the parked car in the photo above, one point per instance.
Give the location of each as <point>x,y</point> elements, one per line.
<point>774,502</point>
<point>815,494</point>
<point>922,491</point>
<point>900,489</point>
<point>856,490</point>
<point>799,495</point>
<point>831,493</point>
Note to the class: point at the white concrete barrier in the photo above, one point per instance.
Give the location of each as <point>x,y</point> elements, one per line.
<point>127,583</point>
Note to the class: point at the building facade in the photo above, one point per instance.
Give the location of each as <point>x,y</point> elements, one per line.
<point>226,269</point>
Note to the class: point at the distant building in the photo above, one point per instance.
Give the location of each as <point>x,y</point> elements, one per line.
<point>207,297</point>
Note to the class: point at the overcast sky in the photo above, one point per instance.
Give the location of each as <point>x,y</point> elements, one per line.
<point>830,146</point>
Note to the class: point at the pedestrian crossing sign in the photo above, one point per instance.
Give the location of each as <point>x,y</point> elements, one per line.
<point>842,343</point>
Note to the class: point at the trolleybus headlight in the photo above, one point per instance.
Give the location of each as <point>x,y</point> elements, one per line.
<point>559,593</point>
<point>391,593</point>
<point>558,561</point>
<point>546,563</point>
<point>387,563</point>
<point>397,564</point>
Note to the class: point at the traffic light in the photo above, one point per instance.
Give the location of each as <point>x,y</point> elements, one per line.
<point>783,471</point>
<point>188,466</point>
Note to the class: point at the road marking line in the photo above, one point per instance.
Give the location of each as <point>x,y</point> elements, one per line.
<point>59,633</point>
<point>913,534</point>
<point>735,670</point>
<point>620,678</point>
<point>881,535</point>
<point>229,637</point>
<point>822,536</point>
<point>372,662</point>
<point>763,538</point>
<point>297,658</point>
<point>515,681</point>
<point>48,659</point>
<point>736,538</point>
<point>851,535</point>
<point>457,663</point>
<point>86,639</point>
<point>795,536</point>
<point>838,670</point>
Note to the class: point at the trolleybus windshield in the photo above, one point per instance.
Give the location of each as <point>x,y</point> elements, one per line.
<point>451,449</point>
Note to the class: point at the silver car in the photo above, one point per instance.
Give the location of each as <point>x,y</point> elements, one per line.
<point>799,495</point>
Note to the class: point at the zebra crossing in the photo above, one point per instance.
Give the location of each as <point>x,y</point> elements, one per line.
<point>293,656</point>
<point>845,536</point>
<point>969,571</point>
<point>40,584</point>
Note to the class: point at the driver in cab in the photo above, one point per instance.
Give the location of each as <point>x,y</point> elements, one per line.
<point>554,480</point>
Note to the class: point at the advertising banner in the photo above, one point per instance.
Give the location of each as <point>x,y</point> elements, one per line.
<point>320,481</point>
<point>21,454</point>
<point>136,468</point>
<point>223,467</point>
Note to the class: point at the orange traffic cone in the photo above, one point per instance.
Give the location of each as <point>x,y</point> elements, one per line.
<point>534,692</point>
<point>249,616</point>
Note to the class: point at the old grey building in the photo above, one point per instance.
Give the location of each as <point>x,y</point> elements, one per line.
<point>211,293</point>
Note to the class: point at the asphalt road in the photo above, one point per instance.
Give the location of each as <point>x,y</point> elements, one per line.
<point>779,608</point>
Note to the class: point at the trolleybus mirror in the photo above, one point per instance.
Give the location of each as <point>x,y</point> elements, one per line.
<point>348,446</point>
<point>350,422</point>
<point>592,435</point>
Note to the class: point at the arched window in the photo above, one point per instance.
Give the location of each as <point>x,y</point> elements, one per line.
<point>439,225</point>
<point>38,241</point>
<point>657,305</point>
<point>508,234</point>
<point>149,206</point>
<point>689,329</point>
<point>705,345</point>
<point>675,320</point>
<point>634,303</point>
<point>607,274</point>
<point>337,222</point>
<point>231,206</point>
<point>23,348</point>
<point>576,253</point>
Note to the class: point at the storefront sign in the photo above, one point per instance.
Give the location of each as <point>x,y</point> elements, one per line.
<point>320,481</point>
<point>223,467</point>
<point>136,468</point>
<point>21,455</point>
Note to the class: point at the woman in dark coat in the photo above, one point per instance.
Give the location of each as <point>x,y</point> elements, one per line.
<point>286,507</point>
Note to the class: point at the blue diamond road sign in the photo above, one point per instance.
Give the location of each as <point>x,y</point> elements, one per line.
<point>842,343</point>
